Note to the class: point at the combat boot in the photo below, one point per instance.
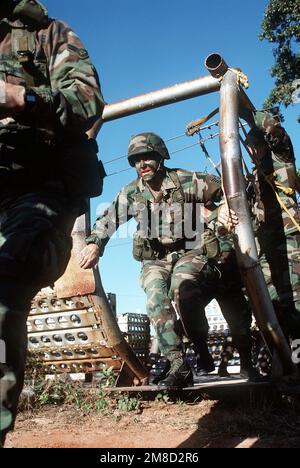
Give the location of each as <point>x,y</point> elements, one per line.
<point>180,375</point>
<point>222,371</point>
<point>247,370</point>
<point>155,380</point>
<point>251,374</point>
<point>205,365</point>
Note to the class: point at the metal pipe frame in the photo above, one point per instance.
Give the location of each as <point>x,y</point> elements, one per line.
<point>162,97</point>
<point>235,192</point>
<point>234,103</point>
<point>135,105</point>
<point>114,335</point>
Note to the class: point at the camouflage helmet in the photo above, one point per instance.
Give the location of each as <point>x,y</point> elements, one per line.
<point>144,143</point>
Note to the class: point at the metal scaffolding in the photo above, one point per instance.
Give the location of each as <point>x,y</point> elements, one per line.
<point>234,104</point>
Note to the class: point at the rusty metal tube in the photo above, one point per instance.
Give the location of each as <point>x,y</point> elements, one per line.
<point>113,333</point>
<point>216,65</point>
<point>235,190</point>
<point>162,97</point>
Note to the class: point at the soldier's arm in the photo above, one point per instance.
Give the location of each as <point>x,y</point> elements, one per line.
<point>275,136</point>
<point>209,190</point>
<point>74,101</point>
<point>109,222</point>
<point>211,195</point>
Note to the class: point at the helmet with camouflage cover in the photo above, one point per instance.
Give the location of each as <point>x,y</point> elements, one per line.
<point>33,11</point>
<point>145,143</point>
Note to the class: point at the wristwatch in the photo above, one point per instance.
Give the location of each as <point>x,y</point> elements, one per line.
<point>31,100</point>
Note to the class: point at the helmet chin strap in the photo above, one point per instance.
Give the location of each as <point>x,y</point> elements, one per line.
<point>160,166</point>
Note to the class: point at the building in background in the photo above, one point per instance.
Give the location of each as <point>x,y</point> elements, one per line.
<point>215,319</point>
<point>136,329</point>
<point>112,299</point>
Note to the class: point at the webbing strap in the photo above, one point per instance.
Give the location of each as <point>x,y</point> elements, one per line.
<point>273,184</point>
<point>23,46</point>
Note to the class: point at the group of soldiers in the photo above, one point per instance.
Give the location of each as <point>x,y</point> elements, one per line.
<point>50,98</point>
<point>184,269</point>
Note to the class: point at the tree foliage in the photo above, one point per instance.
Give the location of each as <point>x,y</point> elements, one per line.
<point>281,26</point>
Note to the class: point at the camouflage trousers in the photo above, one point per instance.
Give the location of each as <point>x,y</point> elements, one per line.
<point>190,282</point>
<point>35,245</point>
<point>280,263</point>
<point>221,281</point>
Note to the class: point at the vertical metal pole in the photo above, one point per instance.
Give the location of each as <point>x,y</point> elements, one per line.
<point>235,191</point>
<point>114,335</point>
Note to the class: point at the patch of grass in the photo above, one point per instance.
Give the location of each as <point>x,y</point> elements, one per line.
<point>127,404</point>
<point>60,390</point>
<point>163,397</point>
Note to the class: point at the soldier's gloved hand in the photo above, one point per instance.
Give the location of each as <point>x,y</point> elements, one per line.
<point>12,99</point>
<point>227,219</point>
<point>89,257</point>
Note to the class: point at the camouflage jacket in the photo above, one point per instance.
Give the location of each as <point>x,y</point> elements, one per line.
<point>187,194</point>
<point>278,165</point>
<point>52,62</point>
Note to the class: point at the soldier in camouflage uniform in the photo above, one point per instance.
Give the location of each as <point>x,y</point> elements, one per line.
<point>49,97</point>
<point>277,235</point>
<point>178,263</point>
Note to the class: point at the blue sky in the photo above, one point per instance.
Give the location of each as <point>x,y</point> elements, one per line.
<point>140,46</point>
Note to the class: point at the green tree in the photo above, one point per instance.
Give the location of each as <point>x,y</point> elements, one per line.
<point>281,26</point>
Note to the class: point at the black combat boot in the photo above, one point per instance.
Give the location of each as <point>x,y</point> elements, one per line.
<point>248,371</point>
<point>179,376</point>
<point>163,374</point>
<point>251,374</point>
<point>222,371</point>
<point>204,366</point>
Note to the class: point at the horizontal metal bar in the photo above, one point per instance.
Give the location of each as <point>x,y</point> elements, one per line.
<point>162,97</point>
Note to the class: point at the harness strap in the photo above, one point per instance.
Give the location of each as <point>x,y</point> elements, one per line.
<point>275,186</point>
<point>23,48</point>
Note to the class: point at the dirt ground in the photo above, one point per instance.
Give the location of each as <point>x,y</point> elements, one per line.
<point>207,424</point>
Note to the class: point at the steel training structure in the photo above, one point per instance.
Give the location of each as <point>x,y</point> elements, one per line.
<point>71,327</point>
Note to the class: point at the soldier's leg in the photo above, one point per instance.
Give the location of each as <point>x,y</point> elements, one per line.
<point>191,288</point>
<point>14,308</point>
<point>236,311</point>
<point>237,314</point>
<point>155,280</point>
<point>280,263</point>
<point>268,259</point>
<point>288,283</point>
<point>34,251</point>
<point>226,356</point>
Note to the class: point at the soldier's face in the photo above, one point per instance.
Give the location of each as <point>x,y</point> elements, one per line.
<point>147,168</point>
